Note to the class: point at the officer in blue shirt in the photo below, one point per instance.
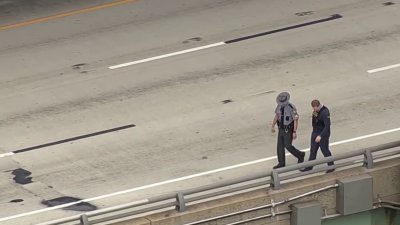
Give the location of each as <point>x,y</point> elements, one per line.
<point>321,122</point>
<point>286,117</point>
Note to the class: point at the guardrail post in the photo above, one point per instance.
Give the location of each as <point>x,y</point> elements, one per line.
<point>275,182</point>
<point>368,159</point>
<point>181,204</point>
<point>84,219</point>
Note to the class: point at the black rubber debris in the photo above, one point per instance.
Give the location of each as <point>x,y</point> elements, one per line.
<point>78,66</point>
<point>388,3</point>
<point>16,200</point>
<point>80,206</point>
<point>22,176</point>
<point>227,101</point>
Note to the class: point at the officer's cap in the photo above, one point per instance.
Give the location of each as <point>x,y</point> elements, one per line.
<point>283,98</point>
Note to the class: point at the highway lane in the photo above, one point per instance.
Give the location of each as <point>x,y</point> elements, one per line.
<point>182,126</point>
<point>141,29</point>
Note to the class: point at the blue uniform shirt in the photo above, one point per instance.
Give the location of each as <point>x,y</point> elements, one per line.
<point>321,122</point>
<point>287,113</point>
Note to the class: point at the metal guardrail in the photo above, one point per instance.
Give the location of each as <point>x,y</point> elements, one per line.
<point>272,206</point>
<point>368,162</point>
<point>181,199</point>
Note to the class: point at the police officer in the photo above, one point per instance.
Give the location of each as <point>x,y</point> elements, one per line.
<point>321,123</point>
<point>286,118</point>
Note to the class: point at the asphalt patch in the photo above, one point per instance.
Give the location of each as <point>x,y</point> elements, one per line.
<point>333,17</point>
<point>74,139</point>
<point>80,206</point>
<point>22,176</point>
<point>304,13</point>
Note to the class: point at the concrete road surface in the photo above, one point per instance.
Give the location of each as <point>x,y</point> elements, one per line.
<point>72,128</point>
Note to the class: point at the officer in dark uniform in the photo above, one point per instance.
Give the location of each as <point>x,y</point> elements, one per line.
<point>321,123</point>
<point>286,117</point>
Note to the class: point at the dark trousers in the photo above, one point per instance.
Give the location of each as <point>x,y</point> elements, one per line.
<point>324,145</point>
<point>285,140</point>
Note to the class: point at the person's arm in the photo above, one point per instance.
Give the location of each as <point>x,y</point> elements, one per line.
<point>327,122</point>
<point>296,122</point>
<point>295,117</point>
<point>274,122</point>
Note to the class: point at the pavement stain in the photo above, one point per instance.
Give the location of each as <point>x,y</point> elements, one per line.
<point>22,176</point>
<point>265,93</point>
<point>192,40</point>
<point>80,206</point>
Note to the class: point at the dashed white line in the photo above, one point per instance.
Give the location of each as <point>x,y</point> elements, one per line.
<point>189,177</point>
<point>383,68</point>
<point>166,55</point>
<point>235,40</point>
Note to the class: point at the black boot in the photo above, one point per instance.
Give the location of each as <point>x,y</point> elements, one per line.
<point>278,166</point>
<point>330,171</point>
<point>301,158</point>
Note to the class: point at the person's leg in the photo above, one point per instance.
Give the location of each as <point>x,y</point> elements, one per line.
<point>280,150</point>
<point>288,139</point>
<point>325,149</point>
<point>313,151</point>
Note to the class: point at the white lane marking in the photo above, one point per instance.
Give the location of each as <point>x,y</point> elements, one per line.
<point>384,68</point>
<point>99,211</point>
<point>167,55</point>
<point>7,154</point>
<point>59,207</point>
<point>365,136</point>
<point>191,176</point>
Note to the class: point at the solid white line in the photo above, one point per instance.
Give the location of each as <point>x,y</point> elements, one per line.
<point>60,207</point>
<point>384,68</point>
<point>6,154</point>
<point>192,176</point>
<point>166,55</point>
<point>365,136</point>
<point>40,211</point>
